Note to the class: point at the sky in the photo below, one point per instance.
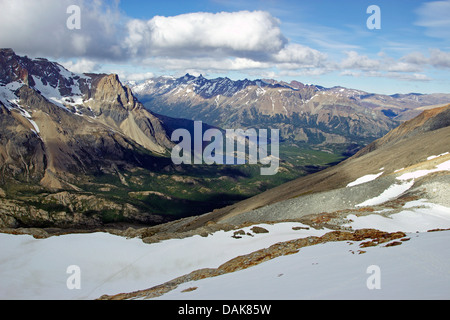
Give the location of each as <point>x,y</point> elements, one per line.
<point>323,42</point>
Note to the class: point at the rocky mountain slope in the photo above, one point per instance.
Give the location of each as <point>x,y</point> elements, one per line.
<point>56,123</point>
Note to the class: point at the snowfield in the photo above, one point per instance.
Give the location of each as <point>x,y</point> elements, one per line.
<point>444,166</point>
<point>36,269</point>
<point>417,269</point>
<point>416,216</point>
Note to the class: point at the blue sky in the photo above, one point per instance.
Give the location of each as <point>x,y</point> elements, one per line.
<point>324,42</point>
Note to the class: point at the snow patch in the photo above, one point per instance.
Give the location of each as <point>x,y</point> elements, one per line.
<point>54,95</point>
<point>364,179</point>
<point>434,157</point>
<point>260,91</point>
<point>393,192</point>
<point>445,166</point>
<point>7,96</point>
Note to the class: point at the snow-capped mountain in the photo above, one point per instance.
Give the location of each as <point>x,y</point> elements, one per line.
<point>308,114</point>
<point>188,88</point>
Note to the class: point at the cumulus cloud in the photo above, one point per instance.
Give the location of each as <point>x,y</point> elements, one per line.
<point>136,76</point>
<point>236,40</point>
<point>420,77</point>
<point>242,34</point>
<point>437,58</point>
<point>416,58</point>
<point>298,56</point>
<point>412,62</point>
<point>361,62</point>
<point>203,65</point>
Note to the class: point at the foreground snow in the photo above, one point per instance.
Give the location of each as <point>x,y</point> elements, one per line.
<point>419,268</point>
<point>36,269</point>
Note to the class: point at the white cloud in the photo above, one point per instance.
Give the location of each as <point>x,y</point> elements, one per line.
<point>206,64</point>
<point>412,64</point>
<point>387,75</point>
<point>298,56</point>
<point>81,66</point>
<point>242,34</point>
<point>439,59</point>
<point>416,58</point>
<point>136,76</point>
<point>356,61</point>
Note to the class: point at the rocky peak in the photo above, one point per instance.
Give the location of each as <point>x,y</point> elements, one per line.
<point>11,68</point>
<point>110,89</point>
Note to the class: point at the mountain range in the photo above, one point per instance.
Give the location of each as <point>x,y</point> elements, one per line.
<point>83,151</point>
<point>307,114</point>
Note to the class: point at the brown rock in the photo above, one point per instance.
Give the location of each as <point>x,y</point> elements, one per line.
<point>259,230</point>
